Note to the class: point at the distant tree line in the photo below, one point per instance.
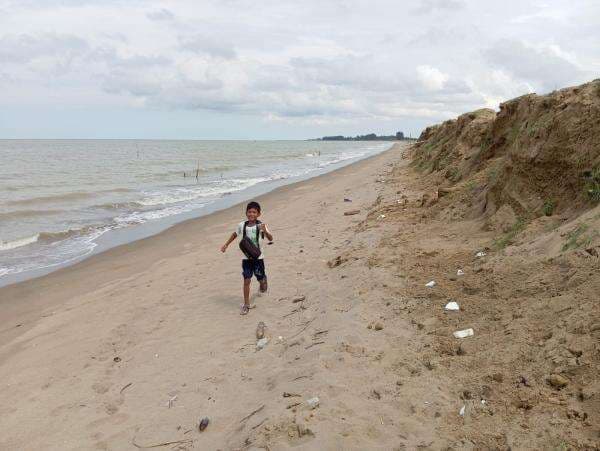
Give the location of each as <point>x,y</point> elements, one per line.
<point>399,136</point>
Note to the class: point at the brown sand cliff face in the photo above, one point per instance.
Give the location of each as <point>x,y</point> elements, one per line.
<point>537,149</point>
<point>512,184</point>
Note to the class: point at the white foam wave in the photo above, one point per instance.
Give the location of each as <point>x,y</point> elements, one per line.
<point>217,188</point>
<point>7,245</point>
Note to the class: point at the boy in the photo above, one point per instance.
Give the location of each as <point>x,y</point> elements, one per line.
<point>256,231</point>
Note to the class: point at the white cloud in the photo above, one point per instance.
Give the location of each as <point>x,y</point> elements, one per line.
<point>430,6</point>
<point>545,66</point>
<point>432,78</point>
<point>160,15</point>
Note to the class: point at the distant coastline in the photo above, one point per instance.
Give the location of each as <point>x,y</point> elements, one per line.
<point>399,136</point>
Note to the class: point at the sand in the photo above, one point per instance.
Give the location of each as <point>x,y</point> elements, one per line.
<point>131,348</point>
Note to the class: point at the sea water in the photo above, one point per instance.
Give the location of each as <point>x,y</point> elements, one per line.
<point>58,197</point>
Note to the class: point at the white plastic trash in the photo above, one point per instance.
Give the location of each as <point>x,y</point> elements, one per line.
<point>381,216</point>
<point>452,306</point>
<point>261,343</point>
<point>430,284</point>
<point>461,412</point>
<point>464,333</point>
<point>313,402</point>
<point>460,272</point>
<point>480,254</point>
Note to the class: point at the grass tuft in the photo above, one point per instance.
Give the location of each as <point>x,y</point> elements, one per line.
<point>592,185</point>
<point>576,239</point>
<point>508,237</point>
<point>548,207</point>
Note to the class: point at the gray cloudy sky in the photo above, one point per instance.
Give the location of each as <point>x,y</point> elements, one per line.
<point>279,68</point>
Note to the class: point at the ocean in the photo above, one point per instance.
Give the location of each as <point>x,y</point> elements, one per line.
<point>60,198</point>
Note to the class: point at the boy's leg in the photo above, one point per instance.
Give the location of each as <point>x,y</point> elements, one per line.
<point>247,270</point>
<point>261,275</point>
<point>247,291</point>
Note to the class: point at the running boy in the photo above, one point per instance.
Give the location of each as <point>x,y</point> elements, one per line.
<point>256,231</point>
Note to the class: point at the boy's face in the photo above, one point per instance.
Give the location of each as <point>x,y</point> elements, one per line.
<point>252,214</point>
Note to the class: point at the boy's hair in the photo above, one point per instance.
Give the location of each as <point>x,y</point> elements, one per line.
<point>254,205</point>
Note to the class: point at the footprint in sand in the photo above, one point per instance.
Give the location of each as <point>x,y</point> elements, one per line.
<point>100,388</point>
<point>111,409</point>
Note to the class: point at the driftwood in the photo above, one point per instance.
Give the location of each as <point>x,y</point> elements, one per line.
<point>126,386</point>
<point>254,427</point>
<point>188,441</point>
<point>303,329</point>
<point>291,395</point>
<point>252,413</point>
<point>314,344</point>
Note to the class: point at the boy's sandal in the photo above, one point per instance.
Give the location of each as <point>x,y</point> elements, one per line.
<point>244,310</point>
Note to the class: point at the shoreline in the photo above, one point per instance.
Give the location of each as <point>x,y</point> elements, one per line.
<point>20,302</point>
<point>120,236</point>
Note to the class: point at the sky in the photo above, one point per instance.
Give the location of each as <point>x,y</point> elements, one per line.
<point>279,69</point>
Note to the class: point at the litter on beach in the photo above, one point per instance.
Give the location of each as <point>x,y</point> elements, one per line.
<point>460,272</point>
<point>381,216</point>
<point>461,412</point>
<point>261,343</point>
<point>203,424</point>
<point>464,333</point>
<point>313,402</point>
<point>452,306</point>
<point>480,254</point>
<point>430,284</point>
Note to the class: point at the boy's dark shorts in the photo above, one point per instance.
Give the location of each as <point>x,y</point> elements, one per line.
<point>256,267</point>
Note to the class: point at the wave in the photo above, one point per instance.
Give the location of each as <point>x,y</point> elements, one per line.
<point>118,205</point>
<point>46,238</point>
<point>117,190</point>
<point>216,188</point>
<point>8,245</point>
<point>52,198</point>
<point>51,237</point>
<point>20,214</point>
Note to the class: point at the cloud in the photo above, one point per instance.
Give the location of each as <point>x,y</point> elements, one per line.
<point>342,61</point>
<point>547,67</point>
<point>432,78</point>
<point>23,48</point>
<point>161,15</point>
<point>202,43</point>
<point>430,6</point>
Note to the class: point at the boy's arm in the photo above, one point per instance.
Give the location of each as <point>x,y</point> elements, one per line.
<point>267,232</point>
<point>231,238</point>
